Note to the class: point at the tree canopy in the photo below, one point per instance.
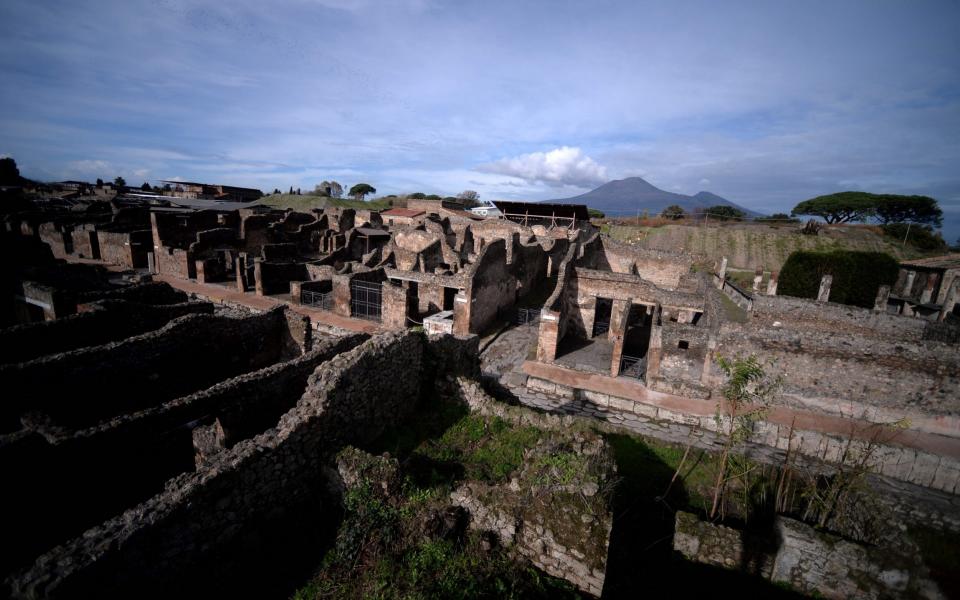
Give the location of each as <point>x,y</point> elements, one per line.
<point>845,207</point>
<point>9,173</point>
<point>892,208</point>
<point>146,187</point>
<point>725,213</point>
<point>120,182</point>
<point>328,189</point>
<point>841,207</point>
<point>360,190</point>
<point>674,211</point>
<point>469,198</point>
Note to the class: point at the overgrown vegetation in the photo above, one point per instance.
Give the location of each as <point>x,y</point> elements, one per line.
<point>856,275</point>
<point>396,545</point>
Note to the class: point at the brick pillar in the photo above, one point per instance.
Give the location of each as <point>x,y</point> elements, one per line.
<point>654,349</point>
<point>547,336</point>
<point>772,284</point>
<point>880,304</point>
<point>927,293</point>
<point>257,277</point>
<point>723,272</point>
<point>461,314</point>
<point>619,315</point>
<point>824,294</point>
<point>953,296</point>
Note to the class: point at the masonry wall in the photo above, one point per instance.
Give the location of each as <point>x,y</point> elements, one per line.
<point>839,318</point>
<point>840,373</point>
<point>127,249</point>
<point>809,561</point>
<point>219,529</point>
<point>67,482</point>
<point>490,290</point>
<point>106,321</point>
<point>191,352</point>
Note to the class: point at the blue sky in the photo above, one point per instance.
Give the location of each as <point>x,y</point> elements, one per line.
<point>765,103</point>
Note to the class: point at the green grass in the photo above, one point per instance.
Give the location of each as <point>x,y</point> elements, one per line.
<point>490,449</point>
<point>381,550</point>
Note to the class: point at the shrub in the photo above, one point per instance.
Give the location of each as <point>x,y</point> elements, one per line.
<point>856,275</point>
<point>921,237</point>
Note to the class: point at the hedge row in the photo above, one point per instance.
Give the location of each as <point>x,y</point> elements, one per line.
<point>856,275</point>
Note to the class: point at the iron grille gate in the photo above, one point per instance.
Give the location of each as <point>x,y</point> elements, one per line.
<point>600,327</point>
<point>321,300</point>
<point>632,366</point>
<point>365,299</point>
<point>527,315</point>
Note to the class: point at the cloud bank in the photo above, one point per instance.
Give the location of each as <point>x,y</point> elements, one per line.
<point>559,167</point>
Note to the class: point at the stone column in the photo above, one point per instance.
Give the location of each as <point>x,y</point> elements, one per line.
<point>824,294</point>
<point>772,284</point>
<point>953,296</point>
<point>908,284</point>
<point>757,279</point>
<point>927,293</point>
<point>880,304</point>
<point>723,272</point>
<point>619,315</point>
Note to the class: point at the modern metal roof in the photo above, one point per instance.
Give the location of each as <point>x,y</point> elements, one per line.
<point>544,209</point>
<point>947,261</point>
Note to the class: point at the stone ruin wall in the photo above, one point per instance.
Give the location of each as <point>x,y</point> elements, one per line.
<point>115,464</point>
<point>100,322</point>
<point>192,535</point>
<point>809,561</point>
<point>62,385</point>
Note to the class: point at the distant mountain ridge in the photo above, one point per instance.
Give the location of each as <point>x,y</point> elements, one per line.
<point>628,196</point>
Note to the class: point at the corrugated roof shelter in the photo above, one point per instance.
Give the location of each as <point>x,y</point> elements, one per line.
<point>544,213</point>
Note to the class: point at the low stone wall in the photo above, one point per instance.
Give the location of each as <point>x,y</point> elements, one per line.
<point>770,439</point>
<point>809,561</point>
<point>105,469</point>
<point>100,323</point>
<point>205,532</point>
<point>80,387</point>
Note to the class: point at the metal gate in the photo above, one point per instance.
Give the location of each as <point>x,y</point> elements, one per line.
<point>632,366</point>
<point>323,301</point>
<point>365,299</point>
<point>527,315</point>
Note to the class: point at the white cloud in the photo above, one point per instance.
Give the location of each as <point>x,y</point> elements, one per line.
<point>558,167</point>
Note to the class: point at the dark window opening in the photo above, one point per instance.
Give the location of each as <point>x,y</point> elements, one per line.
<point>448,295</point>
<point>683,344</point>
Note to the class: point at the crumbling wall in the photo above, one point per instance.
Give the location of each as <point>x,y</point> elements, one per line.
<point>105,321</point>
<point>189,353</point>
<point>840,318</point>
<point>490,289</point>
<point>72,481</point>
<point>205,532</point>
<point>839,373</point>
<point>809,561</point>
